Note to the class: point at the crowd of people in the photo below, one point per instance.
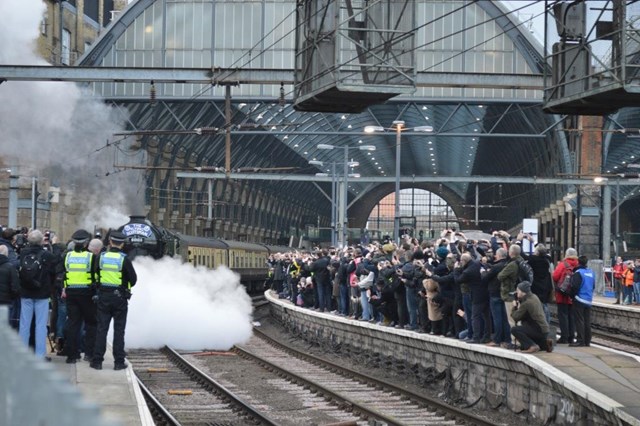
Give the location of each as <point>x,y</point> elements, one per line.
<point>83,284</point>
<point>626,278</point>
<point>479,291</point>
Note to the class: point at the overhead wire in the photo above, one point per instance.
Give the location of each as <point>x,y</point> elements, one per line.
<point>265,50</point>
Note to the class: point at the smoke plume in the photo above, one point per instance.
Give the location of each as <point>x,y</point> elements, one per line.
<point>59,131</point>
<point>187,308</point>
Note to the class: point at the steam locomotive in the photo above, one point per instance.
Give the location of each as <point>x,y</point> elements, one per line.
<point>247,259</point>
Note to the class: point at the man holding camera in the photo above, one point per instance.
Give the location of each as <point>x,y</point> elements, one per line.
<point>533,331</point>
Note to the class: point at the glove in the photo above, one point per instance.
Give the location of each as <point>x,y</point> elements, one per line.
<point>95,298</point>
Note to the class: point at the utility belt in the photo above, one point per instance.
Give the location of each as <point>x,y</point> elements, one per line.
<point>117,291</point>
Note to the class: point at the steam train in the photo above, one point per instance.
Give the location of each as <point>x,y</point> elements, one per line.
<point>247,259</point>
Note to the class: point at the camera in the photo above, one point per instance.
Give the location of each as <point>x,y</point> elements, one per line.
<point>21,241</point>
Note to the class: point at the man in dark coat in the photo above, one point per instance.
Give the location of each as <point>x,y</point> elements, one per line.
<point>9,283</point>
<point>476,312</point>
<point>320,270</point>
<point>35,293</point>
<point>501,327</point>
<point>541,286</point>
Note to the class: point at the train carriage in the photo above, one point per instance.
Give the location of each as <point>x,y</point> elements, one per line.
<point>247,259</point>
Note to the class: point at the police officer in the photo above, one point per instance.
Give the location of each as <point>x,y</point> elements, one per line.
<point>116,277</point>
<point>79,289</point>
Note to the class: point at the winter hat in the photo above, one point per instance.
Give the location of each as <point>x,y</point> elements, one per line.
<point>442,252</point>
<point>525,287</point>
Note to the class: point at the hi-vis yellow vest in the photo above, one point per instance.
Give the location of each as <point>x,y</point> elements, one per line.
<point>78,269</point>
<point>111,269</point>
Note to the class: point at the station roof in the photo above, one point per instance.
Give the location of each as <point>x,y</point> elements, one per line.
<point>492,132</point>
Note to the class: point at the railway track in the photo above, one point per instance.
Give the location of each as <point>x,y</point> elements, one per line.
<point>179,393</point>
<point>616,341</point>
<point>373,400</point>
<point>611,339</point>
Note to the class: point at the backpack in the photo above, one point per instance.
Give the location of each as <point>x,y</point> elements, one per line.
<point>564,286</point>
<point>525,273</point>
<point>31,270</point>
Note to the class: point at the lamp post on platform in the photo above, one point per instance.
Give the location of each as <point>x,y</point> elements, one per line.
<point>342,202</point>
<point>398,127</point>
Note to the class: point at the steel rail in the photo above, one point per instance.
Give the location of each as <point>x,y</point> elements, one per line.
<point>202,377</point>
<point>421,399</point>
<point>157,406</point>
<point>358,409</point>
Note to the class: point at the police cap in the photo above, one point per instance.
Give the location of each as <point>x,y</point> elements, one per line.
<point>117,237</point>
<point>81,236</point>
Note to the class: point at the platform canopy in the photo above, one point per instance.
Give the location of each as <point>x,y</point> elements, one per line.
<point>495,130</point>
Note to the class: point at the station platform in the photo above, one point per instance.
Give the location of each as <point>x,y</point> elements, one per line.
<point>596,377</point>
<point>610,302</point>
<point>116,392</point>
<point>611,376</point>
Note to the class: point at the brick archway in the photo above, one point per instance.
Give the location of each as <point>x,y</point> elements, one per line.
<point>359,212</point>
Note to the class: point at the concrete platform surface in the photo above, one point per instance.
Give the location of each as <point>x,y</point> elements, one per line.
<point>116,392</point>
<point>610,373</point>
<point>609,302</point>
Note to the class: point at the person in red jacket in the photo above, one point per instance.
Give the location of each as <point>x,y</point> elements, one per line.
<point>564,302</point>
<point>618,269</point>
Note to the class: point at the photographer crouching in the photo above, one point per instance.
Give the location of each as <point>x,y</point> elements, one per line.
<point>533,331</point>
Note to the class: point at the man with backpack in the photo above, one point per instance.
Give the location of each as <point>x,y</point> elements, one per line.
<point>37,273</point>
<point>561,275</point>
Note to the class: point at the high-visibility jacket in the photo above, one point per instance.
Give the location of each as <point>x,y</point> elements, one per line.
<point>627,277</point>
<point>111,263</point>
<point>77,265</point>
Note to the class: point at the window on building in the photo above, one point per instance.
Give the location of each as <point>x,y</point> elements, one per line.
<point>419,210</point>
<point>65,54</point>
<point>43,26</point>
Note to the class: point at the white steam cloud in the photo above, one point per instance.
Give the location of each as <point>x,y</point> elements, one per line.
<point>59,131</point>
<point>187,308</point>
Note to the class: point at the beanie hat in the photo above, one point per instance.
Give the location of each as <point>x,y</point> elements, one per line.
<point>388,248</point>
<point>442,252</point>
<point>525,287</point>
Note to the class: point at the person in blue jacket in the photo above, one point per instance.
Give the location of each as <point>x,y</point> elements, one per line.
<point>583,283</point>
